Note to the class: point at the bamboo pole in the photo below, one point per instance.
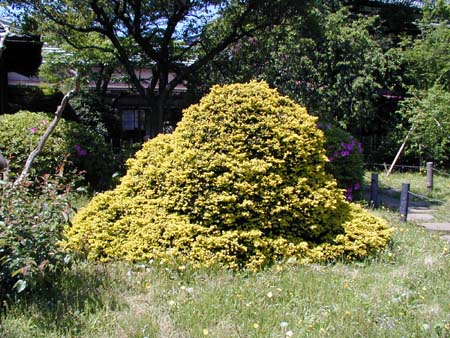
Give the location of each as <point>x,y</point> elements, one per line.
<point>400,150</point>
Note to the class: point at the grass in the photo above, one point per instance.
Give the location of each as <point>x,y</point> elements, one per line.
<point>401,292</point>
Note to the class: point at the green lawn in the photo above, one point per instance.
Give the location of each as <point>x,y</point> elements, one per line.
<point>402,292</point>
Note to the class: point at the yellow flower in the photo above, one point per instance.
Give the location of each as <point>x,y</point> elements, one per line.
<point>205,332</point>
<point>348,313</point>
<point>270,294</point>
<point>255,325</point>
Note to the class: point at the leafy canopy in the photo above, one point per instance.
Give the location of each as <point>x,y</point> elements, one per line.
<point>163,35</point>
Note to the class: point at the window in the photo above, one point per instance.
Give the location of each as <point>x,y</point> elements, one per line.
<point>133,119</point>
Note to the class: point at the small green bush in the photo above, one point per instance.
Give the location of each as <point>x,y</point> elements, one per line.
<point>95,114</point>
<point>31,225</point>
<point>71,150</point>
<point>345,159</point>
<point>241,182</point>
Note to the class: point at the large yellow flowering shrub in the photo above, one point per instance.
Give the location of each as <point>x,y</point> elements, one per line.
<point>241,182</point>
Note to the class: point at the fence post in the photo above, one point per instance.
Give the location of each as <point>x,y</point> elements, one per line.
<point>430,176</point>
<point>374,191</point>
<point>3,168</point>
<point>404,201</point>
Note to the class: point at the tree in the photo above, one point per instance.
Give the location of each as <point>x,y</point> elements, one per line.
<point>428,113</point>
<point>164,35</point>
<point>330,60</point>
<point>426,109</point>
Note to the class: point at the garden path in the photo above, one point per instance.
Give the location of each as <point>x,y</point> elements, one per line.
<point>419,211</point>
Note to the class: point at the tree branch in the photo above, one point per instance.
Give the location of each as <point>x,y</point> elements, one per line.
<point>122,55</point>
<point>63,23</point>
<point>87,47</point>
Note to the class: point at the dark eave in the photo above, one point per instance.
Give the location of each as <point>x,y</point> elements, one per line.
<point>22,54</point>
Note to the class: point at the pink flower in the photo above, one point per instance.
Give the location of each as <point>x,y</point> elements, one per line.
<point>33,130</point>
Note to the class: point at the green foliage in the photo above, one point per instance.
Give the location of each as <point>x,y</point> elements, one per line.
<point>429,113</point>
<point>345,159</point>
<point>241,182</point>
<point>71,150</point>
<point>426,59</point>
<point>31,224</point>
<point>426,109</point>
<point>329,61</point>
<point>94,113</point>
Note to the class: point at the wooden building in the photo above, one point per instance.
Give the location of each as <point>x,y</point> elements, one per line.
<point>18,53</point>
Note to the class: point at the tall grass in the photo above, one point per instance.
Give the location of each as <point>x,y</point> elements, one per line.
<point>401,292</point>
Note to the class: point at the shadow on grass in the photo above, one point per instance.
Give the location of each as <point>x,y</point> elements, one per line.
<point>78,292</point>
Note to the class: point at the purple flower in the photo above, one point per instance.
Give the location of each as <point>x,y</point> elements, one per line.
<point>319,125</point>
<point>330,159</point>
<point>357,186</point>
<point>348,194</point>
<point>80,151</point>
<point>33,130</point>
<point>328,126</point>
<point>360,149</point>
<point>345,153</point>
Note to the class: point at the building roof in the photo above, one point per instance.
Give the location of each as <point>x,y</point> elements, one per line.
<point>22,53</point>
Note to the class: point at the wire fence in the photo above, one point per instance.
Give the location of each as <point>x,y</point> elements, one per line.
<point>406,168</point>
<point>386,189</point>
<point>442,173</point>
<point>433,200</point>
